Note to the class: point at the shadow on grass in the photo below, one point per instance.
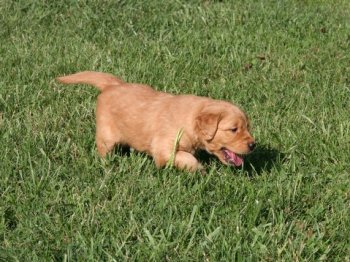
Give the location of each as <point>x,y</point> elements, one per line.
<point>264,158</point>
<point>122,150</point>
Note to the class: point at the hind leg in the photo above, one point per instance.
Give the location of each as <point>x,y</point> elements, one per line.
<point>106,138</point>
<point>107,133</point>
<point>105,144</point>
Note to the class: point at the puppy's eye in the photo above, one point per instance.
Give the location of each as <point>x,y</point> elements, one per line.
<point>234,130</point>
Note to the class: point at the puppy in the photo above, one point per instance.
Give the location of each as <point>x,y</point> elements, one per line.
<point>149,121</point>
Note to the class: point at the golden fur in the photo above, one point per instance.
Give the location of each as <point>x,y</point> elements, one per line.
<point>149,121</point>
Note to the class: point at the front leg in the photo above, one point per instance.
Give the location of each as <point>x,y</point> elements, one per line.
<point>186,161</point>
<point>183,160</point>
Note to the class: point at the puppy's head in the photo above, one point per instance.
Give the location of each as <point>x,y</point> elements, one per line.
<point>223,130</point>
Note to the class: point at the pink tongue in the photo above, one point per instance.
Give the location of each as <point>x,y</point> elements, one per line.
<point>233,158</point>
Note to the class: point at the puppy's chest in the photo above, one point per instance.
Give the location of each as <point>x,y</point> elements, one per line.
<point>187,144</point>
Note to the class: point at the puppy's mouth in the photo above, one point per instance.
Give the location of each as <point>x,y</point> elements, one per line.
<point>231,157</point>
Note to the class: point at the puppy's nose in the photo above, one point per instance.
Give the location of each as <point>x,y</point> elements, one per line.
<point>251,145</point>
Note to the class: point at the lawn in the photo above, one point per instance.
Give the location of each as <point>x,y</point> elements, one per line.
<point>286,63</point>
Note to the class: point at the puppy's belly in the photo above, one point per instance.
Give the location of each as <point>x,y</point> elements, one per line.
<point>138,128</point>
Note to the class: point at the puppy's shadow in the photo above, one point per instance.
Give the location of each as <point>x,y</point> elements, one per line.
<point>122,150</point>
<point>262,159</point>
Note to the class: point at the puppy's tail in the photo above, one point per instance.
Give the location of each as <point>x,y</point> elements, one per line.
<point>97,79</point>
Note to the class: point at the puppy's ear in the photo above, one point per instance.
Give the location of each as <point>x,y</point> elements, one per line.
<point>207,124</point>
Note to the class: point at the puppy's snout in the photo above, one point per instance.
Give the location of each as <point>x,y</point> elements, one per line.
<point>251,145</point>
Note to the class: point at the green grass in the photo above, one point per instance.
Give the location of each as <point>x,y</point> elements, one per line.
<point>286,63</point>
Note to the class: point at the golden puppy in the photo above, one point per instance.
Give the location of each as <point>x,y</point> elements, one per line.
<point>147,120</point>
